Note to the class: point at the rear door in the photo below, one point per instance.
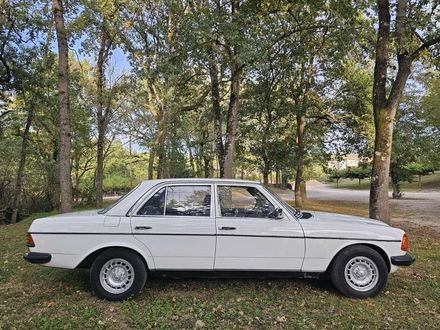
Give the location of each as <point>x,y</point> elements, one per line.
<point>177,225</point>
<point>250,237</point>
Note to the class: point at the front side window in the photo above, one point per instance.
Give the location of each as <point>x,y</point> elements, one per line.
<point>244,202</point>
<point>188,201</point>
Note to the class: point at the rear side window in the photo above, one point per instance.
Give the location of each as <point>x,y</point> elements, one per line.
<point>244,202</point>
<point>155,205</point>
<point>188,200</point>
<point>179,201</point>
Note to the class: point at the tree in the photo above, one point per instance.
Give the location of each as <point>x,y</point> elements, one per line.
<point>155,39</point>
<point>361,172</point>
<point>337,175</point>
<point>64,108</point>
<point>317,52</point>
<point>414,33</point>
<point>99,20</point>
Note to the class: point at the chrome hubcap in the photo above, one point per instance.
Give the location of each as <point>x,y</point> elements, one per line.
<point>117,275</point>
<point>361,274</point>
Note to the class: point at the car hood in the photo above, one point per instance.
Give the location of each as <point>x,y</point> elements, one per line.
<point>345,218</point>
<point>333,225</point>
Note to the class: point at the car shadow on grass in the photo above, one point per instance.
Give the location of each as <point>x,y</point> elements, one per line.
<point>194,284</point>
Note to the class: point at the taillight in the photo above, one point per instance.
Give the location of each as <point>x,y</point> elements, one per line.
<point>30,241</point>
<point>404,245</point>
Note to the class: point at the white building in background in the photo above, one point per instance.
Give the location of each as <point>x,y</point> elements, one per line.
<point>350,160</point>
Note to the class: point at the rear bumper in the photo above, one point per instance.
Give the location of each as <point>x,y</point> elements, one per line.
<point>37,257</point>
<point>404,260</point>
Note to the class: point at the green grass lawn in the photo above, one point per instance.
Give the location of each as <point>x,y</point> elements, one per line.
<point>428,182</point>
<point>34,296</point>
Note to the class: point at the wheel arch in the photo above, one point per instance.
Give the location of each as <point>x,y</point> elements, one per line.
<point>378,249</point>
<point>87,260</point>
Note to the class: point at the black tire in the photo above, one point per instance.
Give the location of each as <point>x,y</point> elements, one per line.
<point>370,261</point>
<point>133,271</point>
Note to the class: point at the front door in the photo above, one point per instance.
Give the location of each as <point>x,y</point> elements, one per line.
<point>177,225</point>
<point>249,234</point>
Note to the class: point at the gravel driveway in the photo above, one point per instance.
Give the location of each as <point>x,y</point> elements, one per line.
<point>422,208</point>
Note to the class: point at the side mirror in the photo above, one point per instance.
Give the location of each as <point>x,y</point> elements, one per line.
<point>279,213</point>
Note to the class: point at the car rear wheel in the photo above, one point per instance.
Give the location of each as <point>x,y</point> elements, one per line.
<point>117,274</point>
<point>359,272</point>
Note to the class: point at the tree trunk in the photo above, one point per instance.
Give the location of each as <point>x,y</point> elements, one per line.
<point>101,115</point>
<point>207,167</point>
<point>265,176</point>
<point>379,204</point>
<point>216,112</point>
<point>21,166</point>
<point>99,178</point>
<point>160,143</point>
<point>285,180</point>
<point>300,128</point>
<point>194,168</point>
<point>151,157</point>
<point>396,190</point>
<point>303,189</point>
<point>231,129</point>
<point>64,108</point>
<point>53,179</point>
<point>385,107</point>
<point>76,177</point>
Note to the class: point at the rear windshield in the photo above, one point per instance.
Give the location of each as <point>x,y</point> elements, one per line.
<point>120,199</point>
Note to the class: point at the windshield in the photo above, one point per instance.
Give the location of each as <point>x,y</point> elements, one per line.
<point>120,199</point>
<point>293,211</point>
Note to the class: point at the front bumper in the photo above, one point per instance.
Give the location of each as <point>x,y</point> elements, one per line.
<point>404,260</point>
<point>37,257</point>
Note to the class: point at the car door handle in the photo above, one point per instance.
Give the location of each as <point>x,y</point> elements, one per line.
<point>142,227</point>
<point>227,228</point>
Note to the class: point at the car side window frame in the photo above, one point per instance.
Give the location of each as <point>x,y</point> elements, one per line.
<point>260,190</point>
<point>157,188</point>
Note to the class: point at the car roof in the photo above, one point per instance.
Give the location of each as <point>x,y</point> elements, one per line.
<point>197,180</point>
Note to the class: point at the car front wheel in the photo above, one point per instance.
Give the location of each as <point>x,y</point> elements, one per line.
<point>117,274</point>
<point>359,272</point>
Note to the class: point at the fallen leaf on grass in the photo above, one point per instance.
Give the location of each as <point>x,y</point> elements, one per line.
<point>281,318</point>
<point>199,324</point>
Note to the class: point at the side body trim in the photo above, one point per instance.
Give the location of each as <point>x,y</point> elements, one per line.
<point>231,235</point>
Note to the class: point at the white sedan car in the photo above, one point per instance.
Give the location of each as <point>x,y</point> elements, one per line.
<point>216,226</point>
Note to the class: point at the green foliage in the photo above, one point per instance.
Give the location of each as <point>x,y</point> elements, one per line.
<point>416,144</point>
<point>360,173</point>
